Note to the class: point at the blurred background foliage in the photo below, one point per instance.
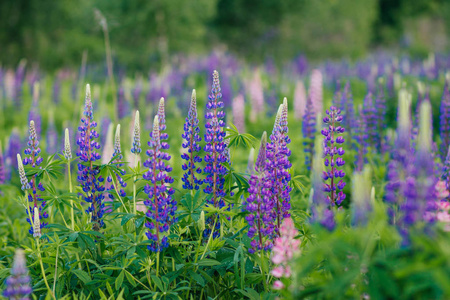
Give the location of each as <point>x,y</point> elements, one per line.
<point>145,33</point>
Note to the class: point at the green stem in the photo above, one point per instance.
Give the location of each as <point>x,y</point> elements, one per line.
<point>42,268</point>
<point>120,198</point>
<point>134,186</point>
<point>157,264</point>
<point>71,200</point>
<point>56,271</point>
<point>263,273</point>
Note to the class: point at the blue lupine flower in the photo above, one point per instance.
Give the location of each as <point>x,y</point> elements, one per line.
<point>136,146</point>
<point>160,202</point>
<point>88,174</point>
<point>309,132</point>
<point>191,142</point>
<point>215,149</point>
<point>332,153</point>
<point>260,204</point>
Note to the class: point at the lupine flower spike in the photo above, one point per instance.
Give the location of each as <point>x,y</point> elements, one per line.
<point>18,284</point>
<point>33,159</point>
<point>333,156</point>
<point>286,247</point>
<point>23,177</point>
<point>118,157</point>
<point>36,224</point>
<point>215,149</point>
<point>309,132</point>
<point>160,203</point>
<point>259,204</point>
<point>191,142</point>
<point>136,146</point>
<point>88,176</point>
<point>67,148</point>
<point>278,165</point>
<point>361,190</point>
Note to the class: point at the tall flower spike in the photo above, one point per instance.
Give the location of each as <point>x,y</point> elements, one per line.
<point>299,100</point>
<point>160,203</point>
<point>238,107</point>
<point>259,204</point>
<point>23,177</point>
<point>380,107</point>
<point>67,149</point>
<point>34,112</point>
<point>136,146</point>
<point>333,156</point>
<point>285,249</point>
<point>33,159</point>
<point>278,165</point>
<point>370,120</point>
<point>316,90</point>
<point>88,174</point>
<point>191,142</point>
<point>215,149</point>
<point>359,141</point>
<point>18,284</point>
<point>309,132</point>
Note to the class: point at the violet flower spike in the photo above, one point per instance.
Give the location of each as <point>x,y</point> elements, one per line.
<point>259,204</point>
<point>215,149</point>
<point>309,132</point>
<point>160,202</point>
<point>33,158</point>
<point>333,152</point>
<point>191,142</point>
<point>444,128</point>
<point>18,284</point>
<point>88,174</point>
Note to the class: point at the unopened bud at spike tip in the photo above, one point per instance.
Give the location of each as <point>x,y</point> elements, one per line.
<point>36,224</point>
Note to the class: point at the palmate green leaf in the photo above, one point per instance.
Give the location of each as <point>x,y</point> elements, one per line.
<point>237,139</point>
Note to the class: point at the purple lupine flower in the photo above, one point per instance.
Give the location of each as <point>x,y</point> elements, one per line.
<point>419,188</point>
<point>88,174</point>
<point>400,163</point>
<point>18,284</point>
<point>18,83</point>
<point>370,120</point>
<point>332,153</point>
<point>33,158</point>
<point>446,170</point>
<point>309,133</point>
<point>160,202</point>
<point>260,204</point>
<point>380,107</point>
<point>278,166</point>
<point>238,107</point>
<point>34,112</point>
<point>215,149</point>
<point>191,142</point>
<point>52,135</point>
<point>14,147</point>
<point>444,129</point>
<point>321,211</point>
<point>299,100</point>
<point>136,144</point>
<point>2,166</point>
<point>122,104</point>
<point>316,90</point>
<point>359,141</point>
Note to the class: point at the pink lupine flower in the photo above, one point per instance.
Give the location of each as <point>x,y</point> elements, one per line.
<point>299,100</point>
<point>256,93</point>
<point>316,90</point>
<point>285,248</point>
<point>239,113</point>
<point>278,285</point>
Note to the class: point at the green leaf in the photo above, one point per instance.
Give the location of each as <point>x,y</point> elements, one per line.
<point>130,279</point>
<point>119,280</point>
<point>207,262</point>
<point>82,275</point>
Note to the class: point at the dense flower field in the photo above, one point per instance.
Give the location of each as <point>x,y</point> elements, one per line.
<point>216,179</point>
